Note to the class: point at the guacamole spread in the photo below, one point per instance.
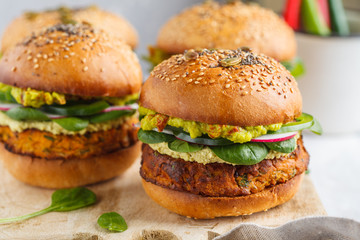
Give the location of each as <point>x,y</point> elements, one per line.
<point>35,98</point>
<point>236,134</point>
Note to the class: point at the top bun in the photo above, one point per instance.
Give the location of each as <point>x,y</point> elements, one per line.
<point>229,26</point>
<point>73,59</point>
<point>232,87</point>
<point>30,22</point>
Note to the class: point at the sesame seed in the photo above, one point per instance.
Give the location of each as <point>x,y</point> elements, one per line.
<point>212,81</point>
<point>83,60</point>
<point>227,85</point>
<point>66,56</point>
<point>85,68</point>
<point>72,54</point>
<point>50,59</point>
<point>291,90</point>
<point>35,60</point>
<point>45,56</point>
<point>243,87</point>
<point>177,76</point>
<point>189,80</point>
<point>13,69</point>
<point>101,69</point>
<point>29,58</point>
<point>200,74</point>
<point>36,66</point>
<point>196,82</point>
<point>38,55</point>
<point>167,79</point>
<point>173,79</point>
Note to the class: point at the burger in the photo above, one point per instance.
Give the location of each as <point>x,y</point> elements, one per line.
<point>67,107</point>
<point>233,25</point>
<point>35,22</point>
<point>222,133</point>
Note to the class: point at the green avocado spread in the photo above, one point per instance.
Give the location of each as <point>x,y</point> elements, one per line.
<point>35,98</point>
<point>156,56</point>
<point>152,119</point>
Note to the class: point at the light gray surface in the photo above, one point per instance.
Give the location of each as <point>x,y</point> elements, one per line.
<point>335,161</point>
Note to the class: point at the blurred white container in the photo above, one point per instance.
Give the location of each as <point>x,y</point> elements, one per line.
<point>331,85</point>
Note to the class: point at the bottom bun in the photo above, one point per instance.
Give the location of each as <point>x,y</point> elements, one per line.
<point>200,207</point>
<point>68,173</point>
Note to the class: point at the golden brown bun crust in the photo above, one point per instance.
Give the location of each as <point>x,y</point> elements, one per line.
<point>24,25</point>
<point>229,26</point>
<point>242,95</point>
<point>68,173</point>
<point>73,60</point>
<point>196,206</point>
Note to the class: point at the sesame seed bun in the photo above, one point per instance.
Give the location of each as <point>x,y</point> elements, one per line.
<point>30,22</point>
<point>73,59</point>
<point>58,173</point>
<point>201,207</point>
<point>228,26</point>
<point>195,86</point>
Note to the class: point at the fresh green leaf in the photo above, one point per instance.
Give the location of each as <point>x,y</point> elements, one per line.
<point>62,200</point>
<point>72,123</point>
<point>286,146</point>
<point>296,67</point>
<point>5,96</point>
<point>103,117</point>
<point>78,109</point>
<point>182,146</point>
<point>151,137</point>
<point>242,154</point>
<point>23,113</point>
<point>113,222</point>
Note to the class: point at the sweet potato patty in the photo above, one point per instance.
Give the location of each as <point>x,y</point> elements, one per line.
<point>36,143</point>
<point>219,179</point>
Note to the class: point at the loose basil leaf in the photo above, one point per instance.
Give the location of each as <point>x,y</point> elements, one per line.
<point>72,123</point>
<point>296,67</point>
<point>103,117</point>
<point>151,137</point>
<point>62,200</point>
<point>182,146</point>
<point>113,222</point>
<point>303,122</point>
<point>286,146</point>
<point>242,154</point>
<point>204,140</point>
<point>22,113</point>
<point>77,110</point>
<point>316,127</point>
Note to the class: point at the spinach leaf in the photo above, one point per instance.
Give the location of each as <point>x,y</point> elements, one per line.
<point>23,113</point>
<point>182,146</point>
<point>286,146</point>
<point>62,200</point>
<point>243,154</point>
<point>103,117</point>
<point>113,222</point>
<point>72,123</point>
<point>151,137</point>
<point>78,109</point>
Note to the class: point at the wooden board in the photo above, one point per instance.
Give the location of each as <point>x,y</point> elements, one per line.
<point>144,217</point>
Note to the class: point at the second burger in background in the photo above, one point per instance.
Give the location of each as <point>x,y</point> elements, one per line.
<point>222,133</point>
<point>233,25</point>
<point>67,110</point>
<point>35,22</point>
